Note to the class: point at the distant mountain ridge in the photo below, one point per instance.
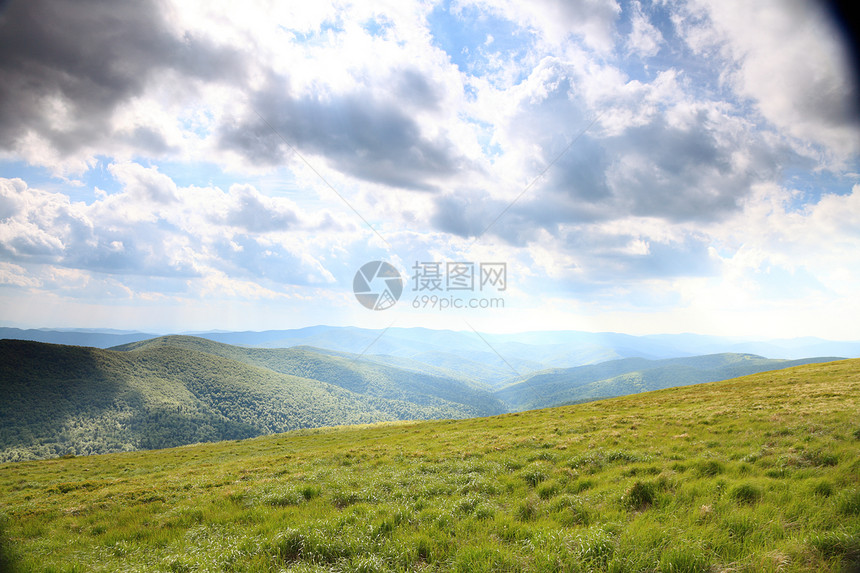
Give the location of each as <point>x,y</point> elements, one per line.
<point>633,375</point>
<point>494,359</point>
<point>88,337</point>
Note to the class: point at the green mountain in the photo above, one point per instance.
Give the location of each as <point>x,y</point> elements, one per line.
<point>342,369</point>
<point>760,473</point>
<point>633,375</point>
<point>179,390</point>
<point>175,390</point>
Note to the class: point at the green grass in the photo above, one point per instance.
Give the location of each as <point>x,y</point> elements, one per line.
<point>756,474</point>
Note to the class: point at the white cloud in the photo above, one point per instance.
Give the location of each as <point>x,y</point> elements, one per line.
<point>644,39</point>
<point>16,275</point>
<point>788,59</point>
<point>153,227</point>
<point>592,21</point>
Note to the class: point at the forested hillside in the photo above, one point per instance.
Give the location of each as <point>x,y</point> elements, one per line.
<point>61,400</point>
<point>348,371</point>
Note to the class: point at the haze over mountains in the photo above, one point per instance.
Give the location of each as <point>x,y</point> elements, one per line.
<point>494,359</point>
<point>559,386</point>
<point>173,390</point>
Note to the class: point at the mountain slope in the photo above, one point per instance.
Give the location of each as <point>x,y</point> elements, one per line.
<point>346,370</point>
<point>753,474</point>
<point>634,375</point>
<point>176,390</point>
<point>61,399</point>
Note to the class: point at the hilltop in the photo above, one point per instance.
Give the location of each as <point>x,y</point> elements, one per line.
<point>760,473</point>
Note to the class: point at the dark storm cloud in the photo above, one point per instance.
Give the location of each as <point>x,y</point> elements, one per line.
<point>601,255</point>
<point>368,138</point>
<point>699,171</point>
<point>148,140</point>
<point>89,56</point>
<point>470,213</point>
<point>581,172</point>
<point>696,162</point>
<point>687,173</point>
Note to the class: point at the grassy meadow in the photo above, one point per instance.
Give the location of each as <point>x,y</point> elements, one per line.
<point>760,473</point>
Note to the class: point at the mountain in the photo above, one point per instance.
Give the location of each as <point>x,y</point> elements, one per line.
<point>75,337</point>
<point>493,359</point>
<point>346,370</point>
<point>174,390</point>
<point>634,375</point>
<point>170,391</point>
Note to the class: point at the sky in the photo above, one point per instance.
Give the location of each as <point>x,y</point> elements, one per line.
<point>634,166</point>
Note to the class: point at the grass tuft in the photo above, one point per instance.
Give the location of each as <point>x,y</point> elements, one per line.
<point>837,544</point>
<point>710,468</point>
<point>642,495</point>
<point>849,502</point>
<point>746,493</point>
<point>684,559</point>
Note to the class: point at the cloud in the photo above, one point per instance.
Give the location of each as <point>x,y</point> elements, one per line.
<point>787,58</point>
<point>466,213</point>
<point>695,167</point>
<point>415,89</point>
<point>356,132</point>
<point>154,228</point>
<point>644,39</point>
<point>774,251</point>
<point>144,186</point>
<point>36,224</point>
<point>68,67</point>
<point>626,153</point>
<point>661,154</point>
<point>259,214</point>
<point>16,275</point>
<point>593,21</point>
